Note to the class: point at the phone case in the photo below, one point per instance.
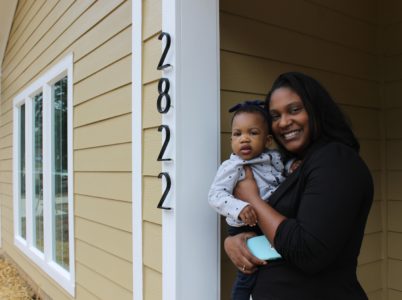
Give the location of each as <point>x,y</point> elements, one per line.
<point>261,248</point>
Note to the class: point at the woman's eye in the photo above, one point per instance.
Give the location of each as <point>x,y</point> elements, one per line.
<point>295,109</point>
<point>274,117</point>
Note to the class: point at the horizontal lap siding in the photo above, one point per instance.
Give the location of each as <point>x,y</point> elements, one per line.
<point>152,142</point>
<point>392,55</point>
<point>98,33</point>
<point>338,46</point>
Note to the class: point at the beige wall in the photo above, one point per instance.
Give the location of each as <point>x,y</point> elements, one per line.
<point>152,216</point>
<point>391,30</point>
<point>335,42</point>
<point>44,32</point>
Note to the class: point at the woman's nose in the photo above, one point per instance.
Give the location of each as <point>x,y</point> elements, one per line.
<point>284,121</point>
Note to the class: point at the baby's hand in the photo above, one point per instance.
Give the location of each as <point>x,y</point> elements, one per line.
<point>248,216</point>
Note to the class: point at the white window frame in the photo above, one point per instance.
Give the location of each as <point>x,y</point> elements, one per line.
<point>65,278</point>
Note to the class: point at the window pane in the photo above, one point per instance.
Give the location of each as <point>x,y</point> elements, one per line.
<point>22,195</point>
<point>38,173</point>
<point>60,173</point>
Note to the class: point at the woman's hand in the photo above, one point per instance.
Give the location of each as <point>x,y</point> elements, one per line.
<point>236,249</point>
<point>247,189</point>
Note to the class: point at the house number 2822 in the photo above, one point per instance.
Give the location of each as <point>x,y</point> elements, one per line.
<point>163,104</point>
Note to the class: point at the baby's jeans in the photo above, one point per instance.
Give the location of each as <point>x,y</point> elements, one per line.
<point>243,286</point>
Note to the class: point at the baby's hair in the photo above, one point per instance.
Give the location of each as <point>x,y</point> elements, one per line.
<point>254,107</point>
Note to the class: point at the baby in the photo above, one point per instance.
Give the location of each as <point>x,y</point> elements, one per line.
<point>249,141</point>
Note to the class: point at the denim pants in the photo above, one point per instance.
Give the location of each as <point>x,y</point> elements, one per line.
<point>243,286</point>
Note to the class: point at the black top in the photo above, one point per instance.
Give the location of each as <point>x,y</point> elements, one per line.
<point>326,201</point>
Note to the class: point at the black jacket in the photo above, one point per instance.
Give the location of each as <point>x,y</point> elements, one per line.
<point>326,201</point>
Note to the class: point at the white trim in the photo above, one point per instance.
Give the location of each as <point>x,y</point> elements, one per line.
<point>191,260</point>
<point>136,131</point>
<point>45,260</point>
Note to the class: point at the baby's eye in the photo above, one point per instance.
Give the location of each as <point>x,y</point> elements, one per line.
<point>255,132</point>
<point>236,133</point>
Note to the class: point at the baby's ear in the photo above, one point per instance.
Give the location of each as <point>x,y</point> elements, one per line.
<point>269,141</point>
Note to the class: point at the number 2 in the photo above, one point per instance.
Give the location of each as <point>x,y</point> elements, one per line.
<point>162,66</point>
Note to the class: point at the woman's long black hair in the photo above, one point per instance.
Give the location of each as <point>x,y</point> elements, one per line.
<point>326,120</point>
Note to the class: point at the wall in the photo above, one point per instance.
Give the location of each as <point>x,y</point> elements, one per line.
<point>152,217</point>
<point>391,30</point>
<point>42,33</point>
<point>333,41</point>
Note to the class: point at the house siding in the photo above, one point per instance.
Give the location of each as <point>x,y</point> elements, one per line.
<point>98,33</point>
<point>391,29</point>
<point>152,142</point>
<point>260,41</point>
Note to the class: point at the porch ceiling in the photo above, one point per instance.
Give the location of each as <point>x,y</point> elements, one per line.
<point>7,10</point>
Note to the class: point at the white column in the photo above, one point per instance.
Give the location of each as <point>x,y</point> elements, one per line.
<point>191,259</point>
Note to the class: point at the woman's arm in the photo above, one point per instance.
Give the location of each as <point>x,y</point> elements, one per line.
<point>268,218</point>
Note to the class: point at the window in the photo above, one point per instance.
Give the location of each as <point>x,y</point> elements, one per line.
<point>43,182</point>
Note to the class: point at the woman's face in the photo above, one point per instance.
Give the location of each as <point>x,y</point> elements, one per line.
<point>290,122</point>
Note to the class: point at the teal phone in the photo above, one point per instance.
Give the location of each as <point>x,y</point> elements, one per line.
<point>261,248</point>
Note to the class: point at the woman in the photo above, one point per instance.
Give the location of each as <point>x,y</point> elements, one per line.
<point>316,218</point>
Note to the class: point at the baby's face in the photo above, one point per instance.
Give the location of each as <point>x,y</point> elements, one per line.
<point>249,135</point>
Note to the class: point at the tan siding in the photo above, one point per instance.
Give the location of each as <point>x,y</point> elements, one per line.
<point>152,284</point>
<point>152,18</point>
<point>395,274</point>
<point>152,142</point>
<point>41,35</point>
<point>153,246</point>
<point>297,12</point>
<point>394,157</point>
<point>151,55</point>
<point>152,145</point>
<point>311,52</point>
<point>116,214</point>
<point>152,191</point>
<point>393,116</point>
<point>258,43</point>
<point>114,158</point>
<point>371,153</point>
<point>394,187</point>
<point>358,9</point>
<point>370,276</point>
<point>374,221</point>
<point>395,245</point>
<point>105,80</point>
<point>114,268</point>
<point>151,117</point>
<point>107,132</point>
<point>103,56</point>
<point>25,27</point>
<point>101,286</point>
<point>109,239</point>
<point>392,94</point>
<point>15,57</point>
<point>394,216</point>
<point>394,295</point>
<point>112,104</point>
<point>371,248</point>
<point>115,186</point>
<point>107,28</point>
<point>83,293</point>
